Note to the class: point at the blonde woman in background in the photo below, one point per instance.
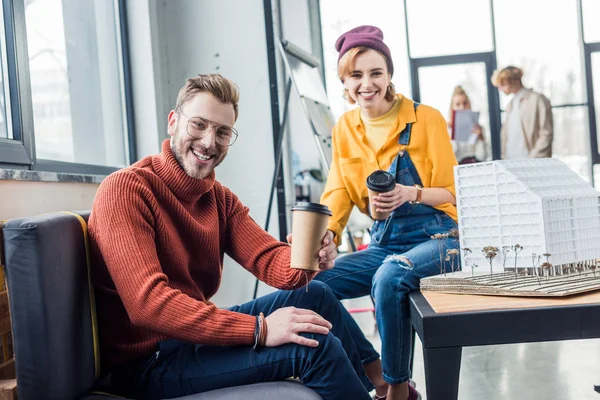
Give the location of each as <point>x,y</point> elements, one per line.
<point>528,129</point>
<point>466,152</point>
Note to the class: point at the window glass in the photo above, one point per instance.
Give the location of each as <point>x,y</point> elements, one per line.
<point>571,142</point>
<point>544,41</point>
<point>437,84</point>
<point>596,83</point>
<point>5,123</point>
<point>591,27</point>
<point>76,84</point>
<point>455,27</point>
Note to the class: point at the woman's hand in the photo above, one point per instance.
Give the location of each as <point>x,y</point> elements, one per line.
<point>477,130</point>
<point>328,252</point>
<point>389,201</point>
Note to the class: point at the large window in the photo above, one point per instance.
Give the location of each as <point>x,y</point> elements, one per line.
<point>557,44</point>
<point>67,70</point>
<point>5,124</point>
<point>550,55</point>
<point>552,64</point>
<point>437,84</point>
<point>76,84</point>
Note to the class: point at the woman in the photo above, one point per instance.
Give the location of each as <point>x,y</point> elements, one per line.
<point>471,151</point>
<point>390,132</point>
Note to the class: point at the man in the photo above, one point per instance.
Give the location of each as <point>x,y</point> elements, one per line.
<point>159,230</point>
<point>528,129</point>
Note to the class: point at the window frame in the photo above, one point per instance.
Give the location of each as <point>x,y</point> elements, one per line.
<point>588,49</point>
<point>19,152</point>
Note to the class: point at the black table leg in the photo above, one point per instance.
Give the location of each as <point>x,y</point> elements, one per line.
<point>442,370</point>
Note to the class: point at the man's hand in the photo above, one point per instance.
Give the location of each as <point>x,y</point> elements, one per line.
<point>389,201</point>
<point>285,324</point>
<point>328,251</point>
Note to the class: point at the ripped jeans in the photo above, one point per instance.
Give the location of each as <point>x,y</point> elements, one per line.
<point>400,254</point>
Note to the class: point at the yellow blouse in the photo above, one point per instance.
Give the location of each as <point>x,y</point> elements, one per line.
<point>353,159</point>
<point>378,130</point>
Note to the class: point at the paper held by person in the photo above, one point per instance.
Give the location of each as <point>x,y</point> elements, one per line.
<point>462,128</point>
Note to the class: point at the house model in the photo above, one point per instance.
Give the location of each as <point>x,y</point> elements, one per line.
<point>539,204</point>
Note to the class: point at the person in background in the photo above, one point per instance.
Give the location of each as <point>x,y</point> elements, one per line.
<point>528,129</point>
<point>466,152</point>
<point>388,132</point>
<point>159,230</point>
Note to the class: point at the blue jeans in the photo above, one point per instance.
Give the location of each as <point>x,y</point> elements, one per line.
<point>333,369</point>
<point>400,254</point>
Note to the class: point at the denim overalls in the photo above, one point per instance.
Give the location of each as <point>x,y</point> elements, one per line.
<point>400,254</point>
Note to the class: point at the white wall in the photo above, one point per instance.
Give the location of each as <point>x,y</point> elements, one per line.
<point>29,198</point>
<point>172,40</point>
<point>228,37</point>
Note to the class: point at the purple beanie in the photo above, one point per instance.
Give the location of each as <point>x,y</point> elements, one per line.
<point>367,36</point>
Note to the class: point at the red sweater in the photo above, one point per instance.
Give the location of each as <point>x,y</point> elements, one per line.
<point>158,237</point>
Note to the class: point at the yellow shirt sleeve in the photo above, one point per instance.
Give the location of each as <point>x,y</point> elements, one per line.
<point>336,196</point>
<point>440,153</point>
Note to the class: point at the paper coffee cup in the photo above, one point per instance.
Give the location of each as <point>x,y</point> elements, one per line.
<point>309,224</point>
<point>379,182</point>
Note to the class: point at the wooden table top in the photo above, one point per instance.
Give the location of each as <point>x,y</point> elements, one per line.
<point>452,303</point>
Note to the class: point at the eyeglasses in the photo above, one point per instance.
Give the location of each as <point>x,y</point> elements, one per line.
<point>198,127</point>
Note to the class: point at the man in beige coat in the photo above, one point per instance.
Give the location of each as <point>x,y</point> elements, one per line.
<point>528,128</point>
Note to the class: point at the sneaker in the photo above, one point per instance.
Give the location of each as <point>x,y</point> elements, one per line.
<point>413,394</point>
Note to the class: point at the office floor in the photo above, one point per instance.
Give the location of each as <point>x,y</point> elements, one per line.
<point>531,371</point>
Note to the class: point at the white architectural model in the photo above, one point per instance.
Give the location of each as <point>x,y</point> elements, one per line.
<point>539,204</point>
<point>526,227</point>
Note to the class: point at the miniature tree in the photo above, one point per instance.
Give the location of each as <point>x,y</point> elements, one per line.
<point>466,251</point>
<point>546,266</point>
<point>439,264</point>
<point>438,238</point>
<point>490,253</point>
<point>535,262</point>
<point>547,255</point>
<point>473,266</point>
<point>593,267</point>
<point>517,248</point>
<point>505,250</point>
<point>453,233</point>
<point>451,254</point>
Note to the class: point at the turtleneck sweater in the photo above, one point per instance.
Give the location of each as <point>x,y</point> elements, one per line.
<point>157,239</point>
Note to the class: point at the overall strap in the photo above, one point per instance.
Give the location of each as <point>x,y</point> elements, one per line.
<point>405,134</point>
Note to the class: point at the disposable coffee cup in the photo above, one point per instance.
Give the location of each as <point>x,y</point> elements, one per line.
<point>309,224</point>
<point>379,182</point>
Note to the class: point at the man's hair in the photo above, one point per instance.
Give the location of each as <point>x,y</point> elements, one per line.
<point>222,88</point>
<point>346,64</point>
<point>510,74</point>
